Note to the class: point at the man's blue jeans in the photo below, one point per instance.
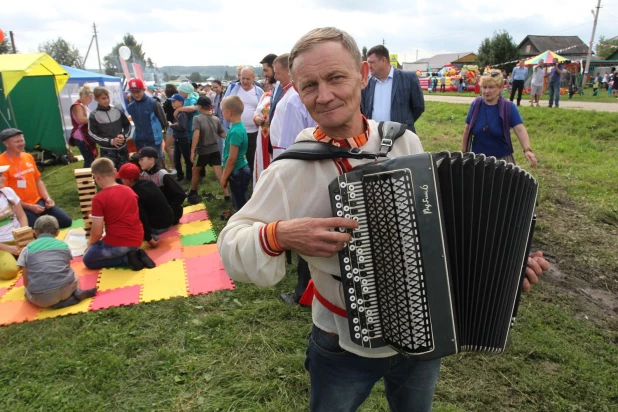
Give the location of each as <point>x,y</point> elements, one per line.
<point>101,255</point>
<point>341,381</point>
<point>64,220</point>
<point>239,182</point>
<point>554,94</point>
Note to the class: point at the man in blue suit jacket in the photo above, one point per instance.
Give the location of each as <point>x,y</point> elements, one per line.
<point>391,94</point>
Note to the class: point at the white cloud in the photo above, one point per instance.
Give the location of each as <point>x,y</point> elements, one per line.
<point>242,32</point>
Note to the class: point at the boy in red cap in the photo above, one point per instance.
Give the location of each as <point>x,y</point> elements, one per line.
<point>154,211</point>
<point>115,209</point>
<point>148,117</point>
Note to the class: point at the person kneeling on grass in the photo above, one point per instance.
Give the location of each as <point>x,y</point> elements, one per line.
<point>173,192</point>
<point>235,166</point>
<point>206,128</point>
<point>115,208</point>
<point>154,212</point>
<point>49,280</point>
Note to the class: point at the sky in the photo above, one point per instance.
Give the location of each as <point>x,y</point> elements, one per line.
<point>199,33</point>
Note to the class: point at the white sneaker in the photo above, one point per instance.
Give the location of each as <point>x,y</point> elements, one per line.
<point>173,172</point>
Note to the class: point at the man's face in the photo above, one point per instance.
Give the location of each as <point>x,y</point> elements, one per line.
<point>329,84</point>
<point>268,72</point>
<point>378,67</point>
<point>246,79</point>
<point>216,87</point>
<point>16,143</point>
<point>541,63</point>
<point>281,74</point>
<point>137,94</point>
<point>522,63</point>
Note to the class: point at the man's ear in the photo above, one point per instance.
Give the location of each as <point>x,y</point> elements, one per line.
<point>294,86</point>
<point>364,72</point>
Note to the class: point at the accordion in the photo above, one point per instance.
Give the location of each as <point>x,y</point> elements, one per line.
<point>437,262</point>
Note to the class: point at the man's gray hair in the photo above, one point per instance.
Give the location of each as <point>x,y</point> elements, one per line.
<point>283,61</point>
<point>323,35</point>
<point>47,224</point>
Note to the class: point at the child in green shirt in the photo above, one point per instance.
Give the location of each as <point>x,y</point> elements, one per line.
<point>236,170</point>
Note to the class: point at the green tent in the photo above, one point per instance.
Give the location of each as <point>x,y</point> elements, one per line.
<point>29,87</point>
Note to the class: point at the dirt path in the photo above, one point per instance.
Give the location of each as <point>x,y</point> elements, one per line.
<point>564,103</point>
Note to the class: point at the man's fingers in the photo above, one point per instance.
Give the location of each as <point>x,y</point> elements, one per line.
<point>531,276</point>
<point>334,237</point>
<point>526,286</point>
<point>335,222</point>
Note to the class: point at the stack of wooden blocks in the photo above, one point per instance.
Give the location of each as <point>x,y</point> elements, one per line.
<point>86,189</point>
<point>23,236</point>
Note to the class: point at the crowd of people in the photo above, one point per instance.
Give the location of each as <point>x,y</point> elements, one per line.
<point>319,91</point>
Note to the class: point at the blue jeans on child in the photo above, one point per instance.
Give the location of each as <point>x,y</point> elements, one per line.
<point>341,381</point>
<point>239,182</point>
<point>101,255</point>
<point>183,147</point>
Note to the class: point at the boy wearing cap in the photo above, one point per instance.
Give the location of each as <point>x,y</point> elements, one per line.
<point>181,138</point>
<point>206,128</point>
<point>115,209</point>
<point>235,166</point>
<point>148,117</point>
<point>109,127</point>
<point>173,192</point>
<point>46,267</point>
<point>24,178</point>
<point>155,213</point>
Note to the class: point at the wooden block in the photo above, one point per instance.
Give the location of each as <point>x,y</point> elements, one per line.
<point>86,197</point>
<point>23,236</point>
<point>82,172</point>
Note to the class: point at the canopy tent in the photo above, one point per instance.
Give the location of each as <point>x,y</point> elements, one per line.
<point>77,79</point>
<point>547,56</point>
<point>29,87</point>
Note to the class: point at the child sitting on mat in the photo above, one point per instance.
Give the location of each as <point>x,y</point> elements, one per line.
<point>49,280</point>
<point>115,209</point>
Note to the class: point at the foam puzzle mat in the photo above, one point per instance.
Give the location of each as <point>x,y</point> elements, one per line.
<point>188,264</point>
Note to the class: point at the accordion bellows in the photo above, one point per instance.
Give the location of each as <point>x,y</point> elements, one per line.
<point>437,262</point>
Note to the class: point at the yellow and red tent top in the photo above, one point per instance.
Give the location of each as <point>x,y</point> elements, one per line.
<point>547,56</point>
<point>14,67</point>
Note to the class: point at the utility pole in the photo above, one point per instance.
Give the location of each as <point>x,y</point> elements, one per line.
<point>594,29</point>
<point>383,42</point>
<point>13,42</point>
<point>94,39</point>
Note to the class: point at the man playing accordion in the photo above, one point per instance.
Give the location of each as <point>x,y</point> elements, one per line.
<point>290,210</point>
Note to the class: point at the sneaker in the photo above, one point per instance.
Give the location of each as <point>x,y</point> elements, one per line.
<point>227,198</point>
<point>145,259</point>
<point>194,198</point>
<point>226,215</point>
<point>173,171</point>
<point>134,260</point>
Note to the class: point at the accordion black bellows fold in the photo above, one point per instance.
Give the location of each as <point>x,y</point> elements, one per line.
<point>437,262</point>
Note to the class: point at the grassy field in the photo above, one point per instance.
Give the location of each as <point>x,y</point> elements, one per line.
<point>586,97</point>
<point>244,349</point>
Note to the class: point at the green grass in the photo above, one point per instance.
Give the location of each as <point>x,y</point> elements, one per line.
<point>244,349</point>
<point>586,97</point>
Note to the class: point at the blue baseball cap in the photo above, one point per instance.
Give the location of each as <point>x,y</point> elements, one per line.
<point>177,97</point>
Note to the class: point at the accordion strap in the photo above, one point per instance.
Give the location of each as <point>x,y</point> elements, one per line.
<point>312,150</point>
<point>330,306</point>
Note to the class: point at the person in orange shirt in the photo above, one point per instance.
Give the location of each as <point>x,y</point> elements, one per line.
<point>25,179</point>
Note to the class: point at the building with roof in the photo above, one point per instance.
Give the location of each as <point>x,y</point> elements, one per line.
<point>569,47</point>
<point>440,60</point>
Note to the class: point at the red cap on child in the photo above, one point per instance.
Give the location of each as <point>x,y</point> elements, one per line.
<point>128,171</point>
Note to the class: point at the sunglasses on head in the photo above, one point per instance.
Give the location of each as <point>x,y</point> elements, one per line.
<point>492,74</point>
